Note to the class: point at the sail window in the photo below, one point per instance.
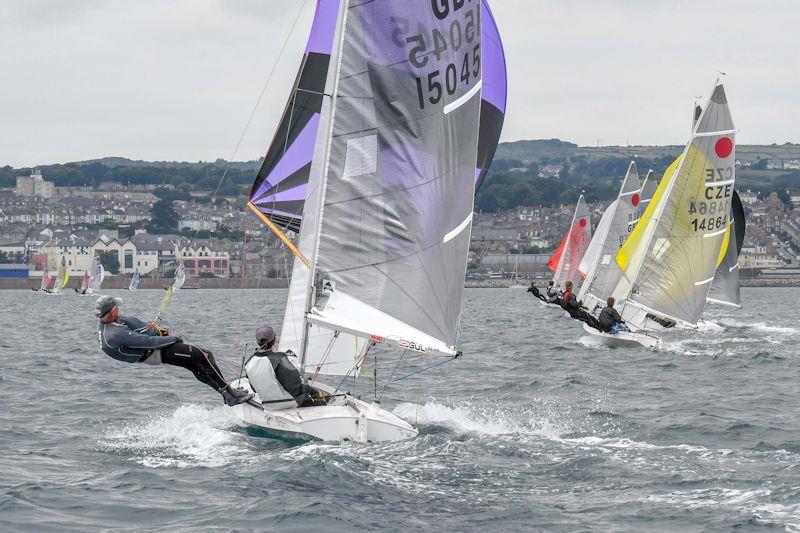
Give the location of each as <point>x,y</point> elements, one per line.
<point>361,157</point>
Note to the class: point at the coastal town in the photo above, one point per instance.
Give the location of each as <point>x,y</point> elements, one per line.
<point>42,223</point>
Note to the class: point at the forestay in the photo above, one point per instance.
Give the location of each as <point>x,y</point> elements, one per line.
<point>670,258</point>
<point>598,266</point>
<point>725,287</point>
<point>567,257</point>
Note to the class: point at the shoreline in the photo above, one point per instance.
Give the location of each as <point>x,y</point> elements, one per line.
<point>119,283</point>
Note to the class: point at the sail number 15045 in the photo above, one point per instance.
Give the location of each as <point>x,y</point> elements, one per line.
<point>426,49</point>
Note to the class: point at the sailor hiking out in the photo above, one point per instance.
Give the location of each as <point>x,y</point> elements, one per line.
<point>275,379</point>
<point>533,289</point>
<point>131,340</point>
<point>570,304</point>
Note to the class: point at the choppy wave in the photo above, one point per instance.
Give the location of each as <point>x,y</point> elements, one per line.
<point>191,435</point>
<point>529,427</point>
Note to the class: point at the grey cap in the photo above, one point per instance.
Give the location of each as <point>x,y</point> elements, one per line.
<point>105,303</point>
<point>265,334</point>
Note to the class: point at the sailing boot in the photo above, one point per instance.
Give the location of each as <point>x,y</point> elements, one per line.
<point>234,396</point>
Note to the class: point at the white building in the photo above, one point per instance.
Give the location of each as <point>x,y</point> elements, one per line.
<point>35,185</point>
<point>197,224</point>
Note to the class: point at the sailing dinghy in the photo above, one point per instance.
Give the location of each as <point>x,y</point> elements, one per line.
<point>383,207</point>
<point>62,278</point>
<point>46,286</point>
<point>97,276</point>
<point>84,284</point>
<point>134,284</point>
<point>670,259</point>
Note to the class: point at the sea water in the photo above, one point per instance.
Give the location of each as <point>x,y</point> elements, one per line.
<point>532,429</point>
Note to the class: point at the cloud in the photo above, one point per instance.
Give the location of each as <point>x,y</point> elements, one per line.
<point>157,79</point>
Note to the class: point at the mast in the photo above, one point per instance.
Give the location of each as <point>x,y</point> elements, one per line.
<point>327,122</point>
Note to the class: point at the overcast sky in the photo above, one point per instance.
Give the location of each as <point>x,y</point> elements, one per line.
<point>177,79</point>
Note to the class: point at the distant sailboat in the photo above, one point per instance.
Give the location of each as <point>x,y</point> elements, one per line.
<point>62,278</point>
<point>97,276</point>
<point>47,283</point>
<point>376,169</point>
<point>670,258</point>
<point>567,258</point>
<point>134,284</point>
<point>598,266</point>
<point>84,283</point>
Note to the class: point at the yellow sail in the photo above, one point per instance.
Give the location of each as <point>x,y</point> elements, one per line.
<point>66,279</point>
<point>637,236</point>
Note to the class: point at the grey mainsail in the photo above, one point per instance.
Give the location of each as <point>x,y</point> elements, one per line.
<point>725,287</point>
<point>387,217</point>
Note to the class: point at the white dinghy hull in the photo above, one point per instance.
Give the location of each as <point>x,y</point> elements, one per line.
<point>623,339</point>
<point>345,418</point>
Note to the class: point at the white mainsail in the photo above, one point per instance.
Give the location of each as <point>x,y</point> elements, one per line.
<point>598,266</point>
<point>670,258</point>
<point>97,276</point>
<point>388,209</point>
<point>134,284</point>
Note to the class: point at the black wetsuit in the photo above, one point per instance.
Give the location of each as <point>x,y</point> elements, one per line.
<point>608,318</point>
<point>569,302</point>
<point>130,340</point>
<point>535,291</point>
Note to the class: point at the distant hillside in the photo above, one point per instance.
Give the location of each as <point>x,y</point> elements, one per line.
<point>524,173</point>
<point>113,162</point>
<point>538,150</point>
